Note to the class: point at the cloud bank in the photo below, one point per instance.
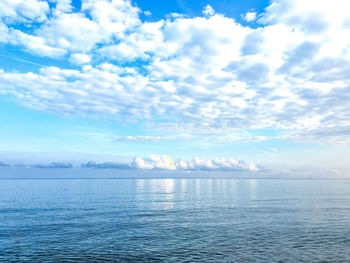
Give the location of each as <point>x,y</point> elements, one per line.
<point>164,162</point>
<point>205,74</point>
<point>153,162</point>
<point>4,164</point>
<point>54,165</point>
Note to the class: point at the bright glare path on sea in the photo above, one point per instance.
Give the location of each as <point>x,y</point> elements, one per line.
<point>174,220</point>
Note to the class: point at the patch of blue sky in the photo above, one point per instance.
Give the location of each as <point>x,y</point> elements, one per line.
<point>16,59</point>
<point>28,28</point>
<point>230,8</point>
<point>26,125</point>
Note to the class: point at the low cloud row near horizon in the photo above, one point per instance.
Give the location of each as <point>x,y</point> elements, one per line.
<point>158,162</point>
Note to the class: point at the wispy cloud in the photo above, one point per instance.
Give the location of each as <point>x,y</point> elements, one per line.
<point>242,136</point>
<point>153,162</point>
<point>151,138</point>
<point>22,60</point>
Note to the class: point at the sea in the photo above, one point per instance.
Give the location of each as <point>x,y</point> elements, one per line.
<point>174,220</point>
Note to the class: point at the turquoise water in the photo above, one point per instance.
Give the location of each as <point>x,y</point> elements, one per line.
<point>174,220</point>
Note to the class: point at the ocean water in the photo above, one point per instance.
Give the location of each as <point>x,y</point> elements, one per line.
<point>174,220</point>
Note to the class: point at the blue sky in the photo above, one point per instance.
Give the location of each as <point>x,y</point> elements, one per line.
<point>211,85</point>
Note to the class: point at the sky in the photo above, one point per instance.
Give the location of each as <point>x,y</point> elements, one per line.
<point>182,85</point>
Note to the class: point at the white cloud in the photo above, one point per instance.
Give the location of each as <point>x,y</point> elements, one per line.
<point>202,74</point>
<point>23,10</point>
<point>79,58</point>
<point>114,16</point>
<point>62,6</point>
<point>250,16</point>
<point>73,32</point>
<point>165,162</point>
<point>4,33</point>
<point>208,10</point>
<point>154,162</point>
<point>98,22</point>
<point>223,164</point>
<point>35,44</point>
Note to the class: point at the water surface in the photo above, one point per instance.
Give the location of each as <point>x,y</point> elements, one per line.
<point>174,220</point>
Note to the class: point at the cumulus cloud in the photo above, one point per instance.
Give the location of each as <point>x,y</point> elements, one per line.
<point>205,74</point>
<point>23,10</point>
<point>79,58</point>
<point>208,10</point>
<point>223,164</point>
<point>36,44</point>
<point>98,22</point>
<point>62,6</point>
<point>165,162</point>
<point>154,162</point>
<point>4,33</point>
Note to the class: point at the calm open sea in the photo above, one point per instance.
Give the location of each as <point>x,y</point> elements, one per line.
<point>174,220</point>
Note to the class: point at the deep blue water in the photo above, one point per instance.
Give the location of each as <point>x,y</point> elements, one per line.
<point>174,220</point>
